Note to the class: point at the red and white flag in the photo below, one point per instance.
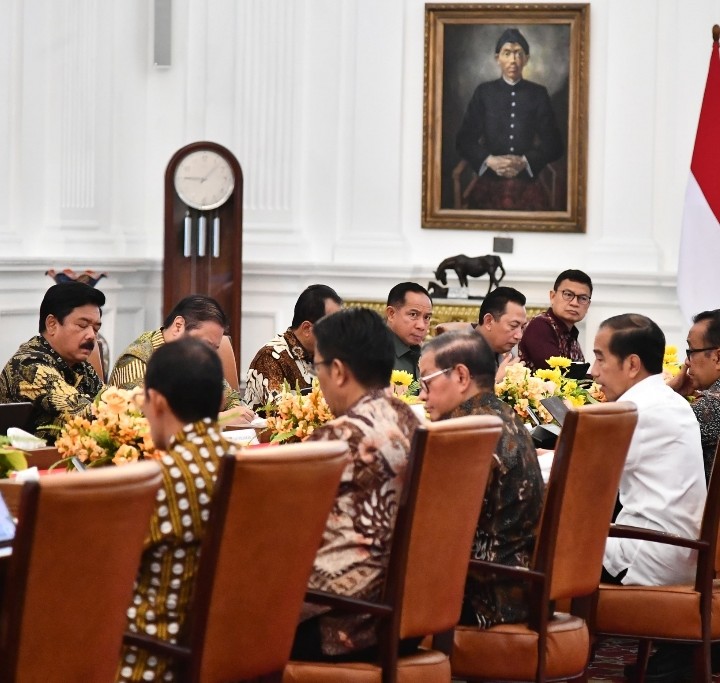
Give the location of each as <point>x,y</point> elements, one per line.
<point>698,282</point>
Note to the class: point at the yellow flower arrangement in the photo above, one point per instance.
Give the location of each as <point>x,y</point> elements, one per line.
<point>671,365</point>
<point>293,416</point>
<point>118,432</point>
<point>404,386</point>
<point>521,388</point>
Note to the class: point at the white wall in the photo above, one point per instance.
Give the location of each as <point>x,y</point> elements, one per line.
<point>321,101</point>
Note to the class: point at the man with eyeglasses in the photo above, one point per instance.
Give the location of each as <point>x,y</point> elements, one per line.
<point>457,378</point>
<point>408,314</point>
<point>353,358</point>
<point>554,332</point>
<point>700,376</point>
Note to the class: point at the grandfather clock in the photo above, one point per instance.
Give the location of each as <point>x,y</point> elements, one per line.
<point>203,230</point>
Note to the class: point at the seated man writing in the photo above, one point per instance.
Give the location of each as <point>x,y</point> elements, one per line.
<point>183,390</point>
<point>195,316</point>
<point>457,378</point>
<point>51,370</point>
<point>354,360</point>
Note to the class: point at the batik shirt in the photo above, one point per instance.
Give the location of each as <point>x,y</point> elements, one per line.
<point>37,373</point>
<point>130,368</point>
<point>282,359</point>
<point>707,412</point>
<point>509,516</point>
<point>355,548</point>
<point>166,577</point>
<point>546,336</point>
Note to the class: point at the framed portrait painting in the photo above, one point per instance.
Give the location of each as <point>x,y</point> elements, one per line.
<point>505,117</point>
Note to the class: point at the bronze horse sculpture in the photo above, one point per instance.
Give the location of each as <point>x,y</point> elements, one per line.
<point>476,266</point>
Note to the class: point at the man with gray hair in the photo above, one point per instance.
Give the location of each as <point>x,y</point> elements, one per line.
<point>457,378</point>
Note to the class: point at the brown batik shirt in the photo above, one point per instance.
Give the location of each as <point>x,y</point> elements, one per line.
<point>355,548</point>
<point>282,359</point>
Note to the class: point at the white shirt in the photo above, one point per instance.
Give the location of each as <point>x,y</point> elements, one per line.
<point>662,487</point>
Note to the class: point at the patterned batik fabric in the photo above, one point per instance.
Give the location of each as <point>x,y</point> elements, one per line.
<point>355,548</point>
<point>509,517</point>
<point>36,373</point>
<point>282,359</point>
<point>131,366</point>
<point>707,412</point>
<point>166,577</point>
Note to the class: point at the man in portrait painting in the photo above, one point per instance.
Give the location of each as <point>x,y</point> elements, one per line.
<point>509,134</point>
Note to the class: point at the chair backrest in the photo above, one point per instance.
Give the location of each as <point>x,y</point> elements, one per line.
<point>70,578</point>
<point>270,509</point>
<point>708,563</point>
<point>437,517</point>
<point>580,497</point>
<point>229,364</point>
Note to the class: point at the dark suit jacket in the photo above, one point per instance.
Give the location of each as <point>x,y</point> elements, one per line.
<point>510,119</point>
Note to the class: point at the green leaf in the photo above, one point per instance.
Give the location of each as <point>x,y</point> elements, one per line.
<point>11,460</point>
<point>282,436</point>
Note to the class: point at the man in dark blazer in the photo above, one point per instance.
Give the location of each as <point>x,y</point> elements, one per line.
<point>509,133</point>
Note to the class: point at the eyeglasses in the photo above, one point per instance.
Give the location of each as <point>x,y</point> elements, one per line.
<point>425,381</point>
<point>317,363</point>
<point>567,295</point>
<point>689,352</point>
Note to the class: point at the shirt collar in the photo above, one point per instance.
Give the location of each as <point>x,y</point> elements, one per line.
<point>401,348</point>
<point>297,350</point>
<point>573,331</point>
<point>193,429</point>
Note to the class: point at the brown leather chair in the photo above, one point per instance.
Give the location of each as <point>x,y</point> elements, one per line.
<point>567,562</point>
<point>448,472</point>
<point>70,577</point>
<point>681,613</point>
<point>268,514</point>
<point>229,364</point>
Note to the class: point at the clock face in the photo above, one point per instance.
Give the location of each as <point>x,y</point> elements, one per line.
<point>204,180</point>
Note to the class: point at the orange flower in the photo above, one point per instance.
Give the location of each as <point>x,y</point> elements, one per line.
<point>294,416</point>
<point>119,432</point>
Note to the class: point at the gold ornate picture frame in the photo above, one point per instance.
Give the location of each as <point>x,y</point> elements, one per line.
<point>469,122</point>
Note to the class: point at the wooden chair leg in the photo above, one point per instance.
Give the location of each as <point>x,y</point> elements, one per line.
<point>643,655</point>
<point>702,670</point>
